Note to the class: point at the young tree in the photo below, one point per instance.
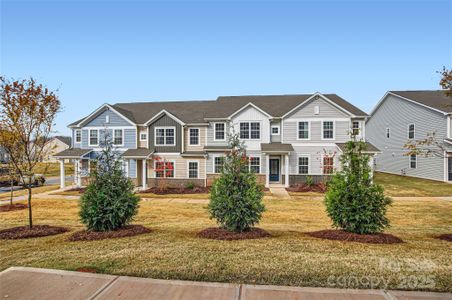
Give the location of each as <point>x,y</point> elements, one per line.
<point>446,81</point>
<point>353,201</point>
<point>236,197</point>
<point>108,202</point>
<point>27,114</point>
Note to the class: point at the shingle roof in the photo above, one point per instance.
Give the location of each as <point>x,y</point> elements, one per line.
<point>141,152</point>
<point>435,99</point>
<point>196,111</point>
<point>276,147</point>
<point>72,153</point>
<point>370,147</point>
<point>65,139</point>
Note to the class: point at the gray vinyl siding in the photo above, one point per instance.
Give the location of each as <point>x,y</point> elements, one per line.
<point>163,121</point>
<point>290,129</point>
<point>210,135</point>
<point>74,143</point>
<point>397,114</point>
<point>326,110</point>
<point>115,120</point>
<point>275,138</point>
<point>315,154</point>
<point>132,168</point>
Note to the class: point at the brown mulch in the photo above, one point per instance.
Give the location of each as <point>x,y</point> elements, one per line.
<point>86,270</point>
<point>215,233</point>
<point>195,190</point>
<point>24,232</point>
<point>445,237</point>
<point>14,206</point>
<point>80,190</point>
<point>341,235</point>
<point>129,230</point>
<point>318,188</point>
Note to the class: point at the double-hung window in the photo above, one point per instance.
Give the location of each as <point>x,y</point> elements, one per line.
<point>164,136</point>
<point>250,130</point>
<point>117,137</point>
<point>194,136</point>
<point>328,164</point>
<point>411,131</point>
<point>254,164</point>
<point>143,136</point>
<point>275,130</point>
<point>355,128</point>
<point>93,137</point>
<point>164,169</point>
<point>413,161</point>
<point>303,130</point>
<point>328,130</point>
<point>220,131</point>
<point>303,165</point>
<point>218,164</point>
<point>193,169</point>
<point>78,136</point>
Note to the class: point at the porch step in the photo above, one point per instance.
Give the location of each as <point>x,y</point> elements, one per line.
<point>279,192</point>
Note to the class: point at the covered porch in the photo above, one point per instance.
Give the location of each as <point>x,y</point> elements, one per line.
<point>276,163</point>
<point>81,158</point>
<point>136,164</point>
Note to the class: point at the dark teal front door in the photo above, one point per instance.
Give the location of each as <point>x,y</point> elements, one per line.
<point>274,170</point>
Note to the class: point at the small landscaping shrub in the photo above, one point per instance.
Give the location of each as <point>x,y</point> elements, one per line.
<point>236,197</point>
<point>309,181</point>
<point>108,202</point>
<point>353,201</point>
<point>190,185</point>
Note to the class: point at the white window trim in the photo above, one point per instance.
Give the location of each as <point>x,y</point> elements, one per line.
<point>260,163</point>
<point>215,132</point>
<point>409,161</point>
<point>360,130</point>
<point>146,136</point>
<point>334,131</point>
<point>414,131</point>
<point>89,137</point>
<point>75,136</point>
<point>309,130</point>
<point>275,126</point>
<point>107,119</point>
<point>122,137</point>
<point>197,167</point>
<point>164,173</point>
<point>322,166</point>
<point>199,136</point>
<point>213,161</point>
<point>164,136</point>
<point>308,156</point>
<point>249,124</point>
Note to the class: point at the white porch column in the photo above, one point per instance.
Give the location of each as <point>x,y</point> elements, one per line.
<point>144,173</point>
<point>127,168</point>
<point>286,165</point>
<point>267,170</point>
<point>62,175</point>
<point>79,173</point>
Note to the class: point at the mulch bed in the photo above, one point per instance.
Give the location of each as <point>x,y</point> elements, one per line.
<point>80,190</point>
<point>129,230</point>
<point>216,233</point>
<point>445,237</point>
<point>195,190</point>
<point>341,235</point>
<point>24,232</point>
<point>14,206</point>
<point>318,188</point>
<point>86,270</point>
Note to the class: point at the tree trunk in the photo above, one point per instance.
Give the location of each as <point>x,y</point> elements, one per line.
<point>30,217</point>
<point>12,192</point>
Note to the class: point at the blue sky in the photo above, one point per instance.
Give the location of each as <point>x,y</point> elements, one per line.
<point>121,51</point>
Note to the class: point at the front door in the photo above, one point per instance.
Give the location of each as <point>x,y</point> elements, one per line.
<point>449,168</point>
<point>274,170</point>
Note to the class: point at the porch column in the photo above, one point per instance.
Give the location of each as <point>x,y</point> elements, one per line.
<point>286,165</point>
<point>62,175</point>
<point>127,168</point>
<point>267,170</point>
<point>78,172</point>
<point>143,177</point>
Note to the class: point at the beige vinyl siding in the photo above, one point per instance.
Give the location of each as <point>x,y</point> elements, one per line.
<point>211,131</point>
<point>142,144</point>
<point>181,165</point>
<point>396,114</point>
<point>202,139</point>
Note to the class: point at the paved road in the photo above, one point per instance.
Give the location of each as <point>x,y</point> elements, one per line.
<point>49,181</point>
<point>55,284</point>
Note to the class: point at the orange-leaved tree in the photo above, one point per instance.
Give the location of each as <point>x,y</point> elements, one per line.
<point>27,114</point>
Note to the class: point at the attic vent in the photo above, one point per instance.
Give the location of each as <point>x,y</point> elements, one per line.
<point>316,110</point>
<point>107,119</point>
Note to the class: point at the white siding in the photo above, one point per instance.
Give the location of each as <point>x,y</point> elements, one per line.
<point>252,114</point>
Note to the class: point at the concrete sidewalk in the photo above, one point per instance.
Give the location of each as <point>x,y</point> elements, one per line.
<point>32,283</point>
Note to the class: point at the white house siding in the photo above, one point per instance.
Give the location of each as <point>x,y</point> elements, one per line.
<point>275,138</point>
<point>397,114</point>
<point>252,114</point>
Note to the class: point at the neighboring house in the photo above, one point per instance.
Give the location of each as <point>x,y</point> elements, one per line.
<point>4,156</point>
<point>286,136</point>
<point>55,145</point>
<point>403,116</point>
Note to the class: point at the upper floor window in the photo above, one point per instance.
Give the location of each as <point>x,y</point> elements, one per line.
<point>218,164</point>
<point>93,137</point>
<point>117,137</point>
<point>193,169</point>
<point>78,136</point>
<point>164,136</point>
<point>250,130</point>
<point>254,164</point>
<point>356,128</point>
<point>275,130</point>
<point>303,130</point>
<point>303,165</point>
<point>328,130</point>
<point>194,136</point>
<point>411,131</point>
<point>413,161</point>
<point>328,164</point>
<point>143,136</point>
<point>388,133</point>
<point>220,131</point>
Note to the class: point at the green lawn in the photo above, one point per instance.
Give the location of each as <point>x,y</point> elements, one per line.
<point>52,169</point>
<point>289,257</point>
<point>396,185</point>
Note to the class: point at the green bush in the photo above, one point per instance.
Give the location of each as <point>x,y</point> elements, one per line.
<point>309,180</point>
<point>353,201</point>
<point>236,197</point>
<point>190,185</point>
<point>108,202</point>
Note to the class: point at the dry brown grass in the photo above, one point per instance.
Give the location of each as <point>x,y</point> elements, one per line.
<point>173,251</point>
<point>36,190</point>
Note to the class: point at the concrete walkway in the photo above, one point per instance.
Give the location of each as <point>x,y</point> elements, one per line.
<point>32,283</point>
<point>279,191</point>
